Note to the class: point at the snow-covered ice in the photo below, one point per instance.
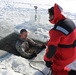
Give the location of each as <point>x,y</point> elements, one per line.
<point>13,18</point>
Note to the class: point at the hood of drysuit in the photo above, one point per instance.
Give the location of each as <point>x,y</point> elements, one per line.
<point>57,14</point>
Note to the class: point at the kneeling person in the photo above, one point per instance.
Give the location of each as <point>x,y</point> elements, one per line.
<point>27,47</point>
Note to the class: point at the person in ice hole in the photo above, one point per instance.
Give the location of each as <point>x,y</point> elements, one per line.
<point>27,47</point>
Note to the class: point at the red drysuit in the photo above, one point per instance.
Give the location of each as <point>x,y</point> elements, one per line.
<point>63,40</point>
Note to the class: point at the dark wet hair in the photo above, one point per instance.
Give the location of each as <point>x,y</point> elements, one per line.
<point>23,30</point>
<point>51,11</point>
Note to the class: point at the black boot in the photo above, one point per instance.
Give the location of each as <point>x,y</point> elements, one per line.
<point>72,72</point>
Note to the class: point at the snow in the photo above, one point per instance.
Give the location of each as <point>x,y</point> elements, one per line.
<point>14,65</point>
<point>15,16</point>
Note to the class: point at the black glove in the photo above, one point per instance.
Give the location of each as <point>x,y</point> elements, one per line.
<point>48,63</point>
<point>43,46</point>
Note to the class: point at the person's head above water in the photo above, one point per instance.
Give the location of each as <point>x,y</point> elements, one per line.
<point>23,33</point>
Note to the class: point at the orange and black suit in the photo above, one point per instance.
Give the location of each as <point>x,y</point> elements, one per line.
<point>61,47</point>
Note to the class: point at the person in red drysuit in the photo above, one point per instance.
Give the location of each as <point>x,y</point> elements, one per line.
<point>61,47</point>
